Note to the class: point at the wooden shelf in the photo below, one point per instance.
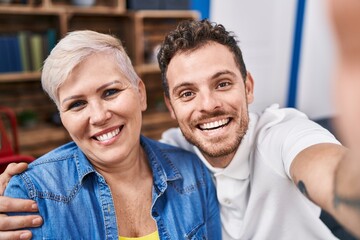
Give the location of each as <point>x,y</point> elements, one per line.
<point>47,6</point>
<point>140,32</point>
<point>61,10</point>
<point>155,123</point>
<point>147,68</point>
<point>116,5</point>
<point>38,140</point>
<point>165,14</point>
<point>29,10</point>
<point>20,77</point>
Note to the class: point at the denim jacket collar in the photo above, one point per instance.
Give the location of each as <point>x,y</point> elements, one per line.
<point>163,169</point>
<point>83,165</point>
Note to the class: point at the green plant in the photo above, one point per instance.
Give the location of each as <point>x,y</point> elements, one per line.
<point>27,118</point>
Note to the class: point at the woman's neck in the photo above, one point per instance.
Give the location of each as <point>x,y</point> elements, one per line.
<point>129,171</point>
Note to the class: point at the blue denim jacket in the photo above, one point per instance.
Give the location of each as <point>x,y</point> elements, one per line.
<point>76,202</point>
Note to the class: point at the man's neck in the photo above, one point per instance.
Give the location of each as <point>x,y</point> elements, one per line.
<point>220,162</point>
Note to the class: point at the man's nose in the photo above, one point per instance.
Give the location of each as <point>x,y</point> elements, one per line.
<point>208,101</point>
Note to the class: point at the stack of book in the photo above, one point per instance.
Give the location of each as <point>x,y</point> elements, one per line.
<point>25,51</point>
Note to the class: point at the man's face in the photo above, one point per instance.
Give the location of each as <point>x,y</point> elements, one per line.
<point>209,98</point>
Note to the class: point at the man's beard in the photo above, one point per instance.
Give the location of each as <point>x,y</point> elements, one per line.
<point>221,146</point>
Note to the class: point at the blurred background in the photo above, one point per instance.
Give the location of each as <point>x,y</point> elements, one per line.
<point>287,46</point>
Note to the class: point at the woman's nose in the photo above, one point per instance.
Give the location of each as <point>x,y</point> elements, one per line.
<point>99,114</point>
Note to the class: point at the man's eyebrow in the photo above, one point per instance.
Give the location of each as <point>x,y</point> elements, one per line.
<point>220,73</point>
<point>184,84</point>
<point>214,76</point>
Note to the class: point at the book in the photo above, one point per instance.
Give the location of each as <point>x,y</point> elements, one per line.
<point>7,53</point>
<point>36,51</point>
<point>23,38</point>
<point>15,56</point>
<point>3,54</point>
<point>9,63</point>
<point>51,37</point>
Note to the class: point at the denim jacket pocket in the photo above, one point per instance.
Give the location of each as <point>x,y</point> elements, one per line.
<point>198,233</point>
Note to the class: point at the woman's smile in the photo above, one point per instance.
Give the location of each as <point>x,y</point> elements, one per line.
<point>108,135</point>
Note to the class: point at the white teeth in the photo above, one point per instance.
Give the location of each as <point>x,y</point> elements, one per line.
<point>212,125</point>
<point>108,135</point>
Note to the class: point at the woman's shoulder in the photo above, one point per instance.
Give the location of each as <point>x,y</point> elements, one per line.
<point>58,154</point>
<point>54,165</point>
<point>55,173</point>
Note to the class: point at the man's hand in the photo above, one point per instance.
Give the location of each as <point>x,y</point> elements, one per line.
<point>8,225</point>
<point>11,170</point>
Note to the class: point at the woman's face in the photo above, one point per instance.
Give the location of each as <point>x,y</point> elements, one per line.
<point>101,110</point>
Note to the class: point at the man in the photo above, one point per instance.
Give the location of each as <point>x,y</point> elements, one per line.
<point>255,159</point>
<point>345,17</point>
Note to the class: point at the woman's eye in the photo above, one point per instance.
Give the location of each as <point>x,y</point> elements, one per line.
<point>110,92</point>
<point>76,105</point>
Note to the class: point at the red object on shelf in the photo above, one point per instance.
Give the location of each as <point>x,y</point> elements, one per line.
<point>9,145</point>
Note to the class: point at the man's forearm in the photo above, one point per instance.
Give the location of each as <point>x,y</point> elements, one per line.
<point>347,193</point>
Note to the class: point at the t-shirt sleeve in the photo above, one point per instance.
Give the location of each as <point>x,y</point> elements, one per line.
<point>308,133</point>
<point>174,136</point>
<point>290,133</point>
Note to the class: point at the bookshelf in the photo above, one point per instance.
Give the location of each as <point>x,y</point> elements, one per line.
<point>140,32</point>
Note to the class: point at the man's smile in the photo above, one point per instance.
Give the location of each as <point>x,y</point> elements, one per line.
<point>214,125</point>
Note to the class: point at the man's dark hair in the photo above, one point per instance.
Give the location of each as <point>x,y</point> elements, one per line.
<point>191,35</point>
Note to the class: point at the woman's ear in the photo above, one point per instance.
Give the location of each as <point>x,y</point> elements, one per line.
<point>142,94</point>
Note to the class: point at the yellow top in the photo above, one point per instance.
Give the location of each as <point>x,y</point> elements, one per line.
<point>151,236</point>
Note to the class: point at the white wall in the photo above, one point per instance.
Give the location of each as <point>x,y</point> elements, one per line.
<point>265,30</point>
<point>316,68</point>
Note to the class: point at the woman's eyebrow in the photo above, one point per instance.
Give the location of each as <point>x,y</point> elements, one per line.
<point>106,85</point>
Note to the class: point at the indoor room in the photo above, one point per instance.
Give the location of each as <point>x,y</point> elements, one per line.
<point>286,115</point>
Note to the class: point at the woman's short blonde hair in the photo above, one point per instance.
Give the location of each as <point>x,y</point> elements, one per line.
<point>72,50</point>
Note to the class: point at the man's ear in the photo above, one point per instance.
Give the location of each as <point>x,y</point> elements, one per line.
<point>169,106</point>
<point>249,88</point>
<point>142,94</point>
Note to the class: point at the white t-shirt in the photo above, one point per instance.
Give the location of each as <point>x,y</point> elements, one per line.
<point>258,199</point>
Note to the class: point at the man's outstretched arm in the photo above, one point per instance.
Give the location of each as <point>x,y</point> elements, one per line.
<point>9,225</point>
<point>347,192</point>
<point>318,171</point>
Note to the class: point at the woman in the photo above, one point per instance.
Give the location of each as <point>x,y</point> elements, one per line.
<point>111,182</point>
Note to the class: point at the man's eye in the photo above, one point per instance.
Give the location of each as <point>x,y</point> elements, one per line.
<point>186,94</point>
<point>223,84</point>
<point>110,92</point>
